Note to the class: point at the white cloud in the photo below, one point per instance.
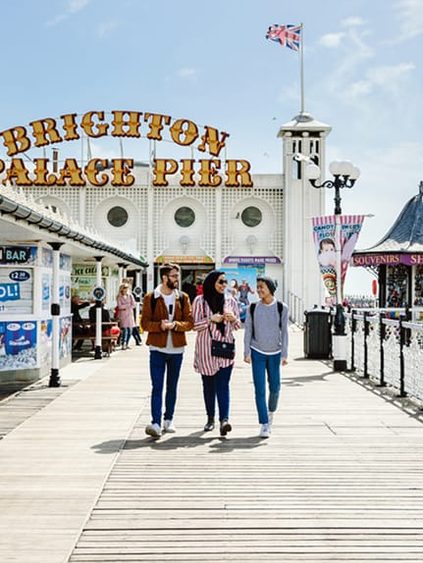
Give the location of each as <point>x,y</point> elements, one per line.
<point>410,13</point>
<point>186,72</point>
<point>104,28</point>
<point>387,78</point>
<point>76,5</point>
<point>73,6</point>
<point>331,39</point>
<point>384,75</point>
<point>353,21</point>
<point>360,88</point>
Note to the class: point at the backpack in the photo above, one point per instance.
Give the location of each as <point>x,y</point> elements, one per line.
<point>154,301</point>
<point>280,310</point>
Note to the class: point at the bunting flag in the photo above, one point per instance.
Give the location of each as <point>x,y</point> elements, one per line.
<point>324,236</point>
<point>286,35</point>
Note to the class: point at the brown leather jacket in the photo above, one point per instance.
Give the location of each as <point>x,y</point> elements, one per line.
<point>151,322</point>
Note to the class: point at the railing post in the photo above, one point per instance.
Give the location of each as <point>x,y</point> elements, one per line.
<point>402,366</point>
<point>366,334</point>
<point>382,333</point>
<point>353,331</point>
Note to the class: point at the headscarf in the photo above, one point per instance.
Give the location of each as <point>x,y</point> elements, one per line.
<point>214,299</point>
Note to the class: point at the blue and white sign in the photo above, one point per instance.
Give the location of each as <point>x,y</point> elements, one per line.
<point>16,290</point>
<point>19,275</point>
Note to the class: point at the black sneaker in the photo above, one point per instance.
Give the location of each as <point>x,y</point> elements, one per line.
<point>225,427</point>
<point>209,425</point>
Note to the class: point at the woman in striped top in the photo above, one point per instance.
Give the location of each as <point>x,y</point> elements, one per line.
<point>216,316</point>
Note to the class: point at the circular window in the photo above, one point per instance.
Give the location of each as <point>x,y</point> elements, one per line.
<point>117,216</point>
<point>251,216</point>
<point>184,216</point>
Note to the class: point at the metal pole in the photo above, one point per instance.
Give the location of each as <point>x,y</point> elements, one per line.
<point>55,314</point>
<point>382,332</point>
<point>339,335</point>
<point>98,352</point>
<point>402,365</point>
<point>366,350</point>
<point>353,331</point>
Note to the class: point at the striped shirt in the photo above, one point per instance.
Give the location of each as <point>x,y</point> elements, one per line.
<point>204,362</point>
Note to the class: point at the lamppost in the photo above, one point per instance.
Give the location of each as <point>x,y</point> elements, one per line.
<point>344,176</point>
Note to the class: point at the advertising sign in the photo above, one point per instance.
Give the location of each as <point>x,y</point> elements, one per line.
<point>324,235</point>
<point>18,345</point>
<point>65,338</point>
<point>16,290</point>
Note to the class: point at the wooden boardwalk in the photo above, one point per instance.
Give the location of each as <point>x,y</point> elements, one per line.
<point>340,479</point>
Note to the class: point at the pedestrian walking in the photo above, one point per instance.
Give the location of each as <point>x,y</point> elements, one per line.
<point>266,347</point>
<point>166,316</point>
<point>125,304</point>
<point>216,316</point>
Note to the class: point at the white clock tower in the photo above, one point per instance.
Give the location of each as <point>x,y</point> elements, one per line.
<point>304,140</point>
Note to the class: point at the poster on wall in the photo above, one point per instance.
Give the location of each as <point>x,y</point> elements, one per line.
<point>242,284</point>
<point>44,347</point>
<point>65,338</point>
<point>18,345</point>
<point>46,281</point>
<point>65,293</point>
<point>16,290</point>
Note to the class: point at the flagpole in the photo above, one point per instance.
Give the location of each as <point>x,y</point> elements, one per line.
<point>302,68</point>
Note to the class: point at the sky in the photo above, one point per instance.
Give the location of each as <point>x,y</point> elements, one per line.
<point>210,62</point>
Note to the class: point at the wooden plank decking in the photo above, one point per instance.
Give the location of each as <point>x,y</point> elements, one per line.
<point>340,479</point>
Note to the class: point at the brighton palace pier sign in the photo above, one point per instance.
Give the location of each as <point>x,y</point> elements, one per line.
<point>131,124</point>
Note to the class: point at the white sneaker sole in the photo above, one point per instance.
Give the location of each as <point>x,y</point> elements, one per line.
<point>152,433</point>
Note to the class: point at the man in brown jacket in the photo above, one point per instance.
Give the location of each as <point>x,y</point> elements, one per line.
<point>166,316</point>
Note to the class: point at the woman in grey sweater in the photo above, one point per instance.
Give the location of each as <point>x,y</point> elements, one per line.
<point>265,347</point>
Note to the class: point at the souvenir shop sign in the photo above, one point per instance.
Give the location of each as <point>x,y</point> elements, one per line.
<point>388,259</point>
<point>132,124</point>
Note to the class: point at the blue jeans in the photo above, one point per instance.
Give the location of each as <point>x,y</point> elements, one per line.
<point>261,364</point>
<point>125,335</point>
<point>217,386</point>
<point>161,364</point>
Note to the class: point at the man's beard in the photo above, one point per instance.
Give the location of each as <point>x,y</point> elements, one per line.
<point>171,284</point>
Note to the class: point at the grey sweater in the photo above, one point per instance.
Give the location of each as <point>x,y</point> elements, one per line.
<point>268,337</point>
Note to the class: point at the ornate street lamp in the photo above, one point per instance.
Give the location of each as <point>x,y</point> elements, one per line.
<point>344,176</point>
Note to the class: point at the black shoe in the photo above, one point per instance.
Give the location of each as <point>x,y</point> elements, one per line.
<point>209,425</point>
<point>225,427</point>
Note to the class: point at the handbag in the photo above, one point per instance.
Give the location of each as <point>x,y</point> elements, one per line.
<point>222,349</point>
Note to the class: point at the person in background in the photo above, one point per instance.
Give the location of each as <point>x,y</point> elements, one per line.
<point>265,347</point>
<point>166,316</point>
<point>215,317</point>
<point>92,314</point>
<point>76,305</point>
<point>189,288</point>
<point>125,304</point>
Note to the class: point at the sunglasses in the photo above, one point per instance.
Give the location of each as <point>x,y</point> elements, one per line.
<point>222,282</point>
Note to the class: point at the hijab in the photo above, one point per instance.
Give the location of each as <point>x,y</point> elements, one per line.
<point>214,299</point>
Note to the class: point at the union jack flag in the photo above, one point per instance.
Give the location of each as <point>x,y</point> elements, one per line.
<point>287,35</point>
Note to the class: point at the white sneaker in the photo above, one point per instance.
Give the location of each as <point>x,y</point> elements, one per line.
<point>270,416</point>
<point>264,431</point>
<point>153,430</point>
<point>168,426</point>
